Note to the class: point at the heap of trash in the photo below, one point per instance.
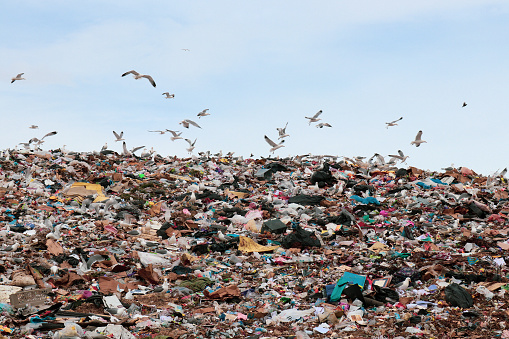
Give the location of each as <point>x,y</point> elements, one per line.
<point>96,245</point>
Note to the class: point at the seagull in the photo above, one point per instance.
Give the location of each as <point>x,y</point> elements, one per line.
<point>168,95</point>
<point>185,49</point>
<point>314,118</point>
<point>49,134</point>
<point>34,127</point>
<point>160,132</point>
<point>191,145</point>
<point>323,124</point>
<point>392,123</point>
<point>186,123</point>
<point>464,103</point>
<point>118,136</point>
<point>282,132</point>
<point>17,77</point>
<point>273,144</point>
<point>137,76</point>
<point>401,156</point>
<point>417,142</point>
<point>105,147</point>
<point>175,134</point>
<point>203,113</point>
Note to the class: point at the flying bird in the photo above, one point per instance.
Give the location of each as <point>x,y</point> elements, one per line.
<point>34,127</point>
<point>185,49</point>
<point>168,95</point>
<point>136,149</point>
<point>17,77</point>
<point>273,144</point>
<point>314,118</point>
<point>323,124</point>
<point>160,132</point>
<point>203,113</point>
<point>187,122</point>
<point>417,142</point>
<point>137,76</point>
<point>191,145</point>
<point>464,103</point>
<point>282,132</point>
<point>392,123</point>
<point>402,157</point>
<point>175,134</point>
<point>118,136</point>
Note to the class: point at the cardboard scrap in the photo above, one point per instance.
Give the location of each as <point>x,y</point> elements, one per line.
<point>31,298</point>
<point>54,247</point>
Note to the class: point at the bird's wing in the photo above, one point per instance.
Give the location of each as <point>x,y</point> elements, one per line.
<point>157,131</point>
<point>149,79</point>
<point>317,114</point>
<point>189,142</point>
<point>392,122</point>
<point>118,136</point>
<point>19,75</point>
<point>131,72</point>
<point>136,149</point>
<point>49,134</point>
<point>192,123</point>
<point>270,142</point>
<point>418,136</point>
<point>166,93</point>
<point>400,152</point>
<point>125,148</point>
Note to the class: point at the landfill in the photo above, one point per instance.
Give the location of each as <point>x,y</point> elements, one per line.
<point>102,245</point>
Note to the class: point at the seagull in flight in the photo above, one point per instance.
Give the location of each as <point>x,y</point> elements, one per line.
<point>17,77</point>
<point>160,132</point>
<point>323,124</point>
<point>393,123</point>
<point>137,76</point>
<point>314,118</point>
<point>168,95</point>
<point>418,141</point>
<point>273,144</point>
<point>191,145</point>
<point>136,149</point>
<point>464,103</point>
<point>282,132</point>
<point>118,136</point>
<point>402,157</point>
<point>34,127</point>
<point>185,49</point>
<point>176,135</point>
<point>188,122</point>
<point>203,113</point>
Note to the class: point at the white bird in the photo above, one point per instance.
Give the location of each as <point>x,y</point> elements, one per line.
<point>125,152</point>
<point>17,77</point>
<point>187,122</point>
<point>273,144</point>
<point>160,132</point>
<point>405,284</point>
<point>175,134</point>
<point>168,95</point>
<point>192,198</point>
<point>165,286</point>
<point>191,145</point>
<point>34,127</point>
<point>137,76</point>
<point>314,118</point>
<point>393,123</point>
<point>55,235</point>
<point>417,142</point>
<point>402,157</point>
<point>282,132</point>
<point>105,147</point>
<point>203,113</point>
<point>222,237</point>
<point>54,270</point>
<point>185,49</point>
<point>118,136</point>
<point>323,124</point>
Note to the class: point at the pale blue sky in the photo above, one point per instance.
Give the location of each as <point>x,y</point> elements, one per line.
<point>257,65</point>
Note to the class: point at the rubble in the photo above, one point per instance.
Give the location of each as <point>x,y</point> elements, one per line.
<point>102,245</point>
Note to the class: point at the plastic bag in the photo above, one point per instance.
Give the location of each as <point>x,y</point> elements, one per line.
<point>70,330</point>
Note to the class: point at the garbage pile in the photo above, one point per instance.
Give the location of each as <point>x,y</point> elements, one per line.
<point>100,245</point>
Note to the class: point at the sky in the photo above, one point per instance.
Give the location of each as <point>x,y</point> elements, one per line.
<point>256,66</point>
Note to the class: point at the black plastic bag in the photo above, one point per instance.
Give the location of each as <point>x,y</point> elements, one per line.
<point>458,296</point>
